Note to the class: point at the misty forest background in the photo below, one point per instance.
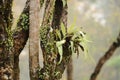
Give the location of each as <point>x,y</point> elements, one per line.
<point>100,20</point>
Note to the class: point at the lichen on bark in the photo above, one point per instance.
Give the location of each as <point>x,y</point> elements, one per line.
<point>51,69</point>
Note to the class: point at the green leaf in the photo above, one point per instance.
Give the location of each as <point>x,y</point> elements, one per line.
<point>64,2</point>
<point>81,34</point>
<point>63,29</point>
<point>84,45</point>
<point>58,33</point>
<point>71,28</point>
<point>72,46</point>
<point>59,43</point>
<point>74,36</point>
<point>60,49</point>
<point>82,48</point>
<point>85,38</point>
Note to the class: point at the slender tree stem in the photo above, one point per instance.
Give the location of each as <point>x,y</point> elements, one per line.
<point>105,58</point>
<point>34,39</point>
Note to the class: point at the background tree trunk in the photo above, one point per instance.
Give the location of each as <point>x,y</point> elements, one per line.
<point>105,58</point>
<point>70,70</point>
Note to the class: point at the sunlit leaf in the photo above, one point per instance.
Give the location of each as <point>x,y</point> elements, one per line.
<point>59,43</point>
<point>63,29</point>
<point>85,38</point>
<point>74,36</point>
<point>60,49</point>
<point>71,29</point>
<point>84,45</point>
<point>81,34</point>
<point>72,46</point>
<point>64,2</point>
<point>58,33</point>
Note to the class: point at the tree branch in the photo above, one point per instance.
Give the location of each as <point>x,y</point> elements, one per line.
<point>20,37</point>
<point>105,58</point>
<point>21,33</point>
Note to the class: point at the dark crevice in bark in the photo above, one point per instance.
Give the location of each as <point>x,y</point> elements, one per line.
<point>105,58</point>
<point>57,14</point>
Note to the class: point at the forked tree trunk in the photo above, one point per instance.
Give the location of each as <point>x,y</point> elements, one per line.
<point>11,42</point>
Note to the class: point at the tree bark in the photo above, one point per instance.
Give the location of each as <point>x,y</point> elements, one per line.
<point>6,55</point>
<point>51,69</point>
<point>34,39</point>
<point>70,70</point>
<point>11,42</point>
<point>20,37</point>
<point>105,58</point>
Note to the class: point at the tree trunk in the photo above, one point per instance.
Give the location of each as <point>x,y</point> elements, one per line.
<point>20,37</point>
<point>6,55</point>
<point>34,39</point>
<point>70,70</point>
<point>11,42</point>
<point>52,70</point>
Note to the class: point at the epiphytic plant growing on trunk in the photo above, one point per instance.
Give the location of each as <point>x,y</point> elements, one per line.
<point>57,43</point>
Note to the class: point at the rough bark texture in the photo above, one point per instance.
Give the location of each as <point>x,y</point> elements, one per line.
<point>46,72</point>
<point>20,37</point>
<point>34,39</point>
<point>52,70</point>
<point>66,57</point>
<point>11,42</point>
<point>6,55</point>
<point>70,70</point>
<point>105,58</point>
<point>57,14</point>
